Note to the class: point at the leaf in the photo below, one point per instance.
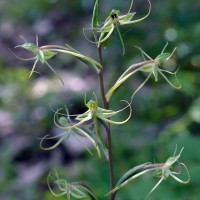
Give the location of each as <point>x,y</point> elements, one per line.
<point>130,175</point>
<point>131,172</point>
<point>88,61</point>
<point>117,85</point>
<point>95,16</point>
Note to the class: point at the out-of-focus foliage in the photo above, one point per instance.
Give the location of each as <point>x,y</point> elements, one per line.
<point>162,117</point>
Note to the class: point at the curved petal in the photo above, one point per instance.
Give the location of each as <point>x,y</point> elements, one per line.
<point>33,68</point>
<point>174,86</point>
<point>52,69</point>
<point>85,134</point>
<point>157,184</point>
<point>143,83</point>
<point>138,20</point>
<point>179,180</point>
<point>107,35</point>
<point>115,122</point>
<point>47,137</point>
<point>51,189</point>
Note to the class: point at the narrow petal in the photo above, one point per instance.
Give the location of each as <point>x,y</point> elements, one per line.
<point>141,85</point>
<point>107,35</point>
<point>138,20</point>
<point>52,69</point>
<point>174,86</point>
<point>33,68</point>
<point>115,122</point>
<point>62,136</point>
<point>157,184</point>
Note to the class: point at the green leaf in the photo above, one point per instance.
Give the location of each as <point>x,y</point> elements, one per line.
<point>95,16</point>
<point>129,176</point>
<point>131,172</point>
<point>117,85</point>
<point>88,61</point>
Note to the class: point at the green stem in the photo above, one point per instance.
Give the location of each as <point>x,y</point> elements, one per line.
<point>108,131</point>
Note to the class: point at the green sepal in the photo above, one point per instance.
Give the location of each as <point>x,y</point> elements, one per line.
<point>107,27</point>
<point>162,58</point>
<point>41,56</point>
<point>29,46</point>
<point>126,18</point>
<point>147,68</point>
<point>48,54</point>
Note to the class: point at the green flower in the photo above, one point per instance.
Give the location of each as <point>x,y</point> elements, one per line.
<point>161,170</point>
<point>94,113</point>
<point>154,68</point>
<point>165,171</point>
<point>75,131</point>
<point>114,20</point>
<point>40,55</point>
<point>70,189</point>
<point>44,53</point>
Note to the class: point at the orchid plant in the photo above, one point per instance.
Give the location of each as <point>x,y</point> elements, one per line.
<point>94,124</point>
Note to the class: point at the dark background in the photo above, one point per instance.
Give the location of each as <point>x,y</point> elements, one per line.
<point>162,118</point>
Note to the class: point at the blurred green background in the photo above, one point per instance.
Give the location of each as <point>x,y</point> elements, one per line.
<point>162,116</point>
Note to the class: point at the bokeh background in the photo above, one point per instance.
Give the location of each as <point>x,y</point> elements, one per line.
<point>163,117</point>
